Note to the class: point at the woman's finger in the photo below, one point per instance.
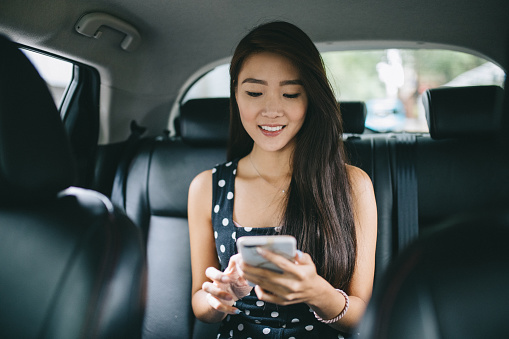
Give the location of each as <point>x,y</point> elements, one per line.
<point>218,305</point>
<point>217,292</point>
<point>216,275</point>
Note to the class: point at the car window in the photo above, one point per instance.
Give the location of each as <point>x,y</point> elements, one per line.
<point>56,72</point>
<point>389,81</point>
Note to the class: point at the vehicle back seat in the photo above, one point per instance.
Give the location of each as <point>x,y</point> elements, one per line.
<point>462,166</point>
<point>450,169</point>
<point>156,199</point>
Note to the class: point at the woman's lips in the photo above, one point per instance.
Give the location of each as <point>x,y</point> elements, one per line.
<point>271,131</point>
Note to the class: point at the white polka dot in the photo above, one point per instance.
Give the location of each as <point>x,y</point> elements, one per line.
<point>309,327</point>
<point>219,258</point>
<point>291,338</point>
<point>258,321</point>
<point>228,164</point>
<point>222,248</point>
<point>218,335</point>
<point>284,326</point>
<point>248,229</point>
<point>221,183</point>
<point>274,314</point>
<point>216,208</point>
<point>214,170</point>
<point>260,303</point>
<point>229,196</point>
<point>340,336</point>
<point>295,320</point>
<point>266,330</point>
<point>240,327</point>
<point>231,333</point>
<point>225,222</point>
<point>249,338</point>
<point>310,310</point>
<point>215,234</point>
<point>227,318</point>
<point>235,172</point>
<point>247,312</point>
<point>234,235</point>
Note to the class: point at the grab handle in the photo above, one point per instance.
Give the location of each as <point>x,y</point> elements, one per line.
<point>90,24</point>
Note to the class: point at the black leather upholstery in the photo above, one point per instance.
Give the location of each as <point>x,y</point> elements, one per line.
<point>29,169</point>
<point>452,283</point>
<point>72,265</point>
<point>463,111</point>
<point>353,114</point>
<point>466,170</point>
<point>205,122</point>
<point>156,199</point>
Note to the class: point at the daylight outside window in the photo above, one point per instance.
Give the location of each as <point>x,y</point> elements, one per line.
<point>56,73</point>
<point>390,82</point>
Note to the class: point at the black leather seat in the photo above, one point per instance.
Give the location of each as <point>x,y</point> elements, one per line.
<point>156,199</point>
<point>463,167</point>
<point>452,283</point>
<point>72,265</point>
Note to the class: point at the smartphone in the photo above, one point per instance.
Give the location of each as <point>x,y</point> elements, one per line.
<point>284,245</point>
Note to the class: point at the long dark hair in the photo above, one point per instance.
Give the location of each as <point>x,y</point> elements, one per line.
<point>318,206</point>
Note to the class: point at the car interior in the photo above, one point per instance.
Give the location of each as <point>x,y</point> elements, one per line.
<point>93,188</point>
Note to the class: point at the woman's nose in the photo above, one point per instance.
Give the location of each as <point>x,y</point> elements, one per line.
<point>273,107</point>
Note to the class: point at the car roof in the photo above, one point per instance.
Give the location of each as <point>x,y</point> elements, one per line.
<point>182,39</point>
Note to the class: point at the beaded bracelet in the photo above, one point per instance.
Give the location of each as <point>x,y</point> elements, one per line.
<point>339,316</point>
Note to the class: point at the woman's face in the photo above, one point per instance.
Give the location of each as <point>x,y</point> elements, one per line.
<point>271,99</point>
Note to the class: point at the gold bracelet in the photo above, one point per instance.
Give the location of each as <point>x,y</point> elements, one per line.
<point>340,315</point>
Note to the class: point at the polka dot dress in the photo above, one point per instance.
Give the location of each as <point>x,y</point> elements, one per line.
<point>258,319</point>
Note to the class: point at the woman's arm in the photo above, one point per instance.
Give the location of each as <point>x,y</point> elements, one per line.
<point>300,281</point>
<point>213,291</point>
<point>203,248</point>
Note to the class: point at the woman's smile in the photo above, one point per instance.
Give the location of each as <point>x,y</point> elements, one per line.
<point>271,130</point>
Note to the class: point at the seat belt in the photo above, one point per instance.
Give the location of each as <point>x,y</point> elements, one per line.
<point>118,190</point>
<point>406,192</point>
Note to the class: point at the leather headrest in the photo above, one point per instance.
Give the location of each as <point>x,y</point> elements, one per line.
<point>35,156</point>
<point>353,114</point>
<point>205,122</point>
<point>455,112</point>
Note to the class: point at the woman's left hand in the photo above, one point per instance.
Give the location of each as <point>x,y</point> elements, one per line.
<point>298,283</point>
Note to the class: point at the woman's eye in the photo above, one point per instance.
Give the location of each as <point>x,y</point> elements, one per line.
<point>254,94</point>
<point>291,96</point>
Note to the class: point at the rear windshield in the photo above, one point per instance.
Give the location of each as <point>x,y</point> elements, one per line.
<point>390,82</point>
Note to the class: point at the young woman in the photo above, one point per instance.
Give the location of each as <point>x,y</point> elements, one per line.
<point>286,174</point>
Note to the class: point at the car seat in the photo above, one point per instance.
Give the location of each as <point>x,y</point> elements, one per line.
<point>451,283</point>
<point>72,265</point>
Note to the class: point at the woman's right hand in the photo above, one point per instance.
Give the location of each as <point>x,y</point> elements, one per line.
<point>226,287</point>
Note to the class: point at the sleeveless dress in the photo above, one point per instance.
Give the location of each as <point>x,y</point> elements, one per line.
<point>258,319</point>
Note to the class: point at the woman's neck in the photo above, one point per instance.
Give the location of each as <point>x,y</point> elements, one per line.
<point>273,166</point>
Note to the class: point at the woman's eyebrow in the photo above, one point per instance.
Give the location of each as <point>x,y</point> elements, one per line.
<point>254,81</point>
<point>263,82</point>
<point>290,82</point>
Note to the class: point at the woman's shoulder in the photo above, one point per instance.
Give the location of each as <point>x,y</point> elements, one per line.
<point>359,180</point>
<point>202,182</point>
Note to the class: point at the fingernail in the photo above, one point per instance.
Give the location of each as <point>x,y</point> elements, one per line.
<point>299,254</point>
<point>260,250</point>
